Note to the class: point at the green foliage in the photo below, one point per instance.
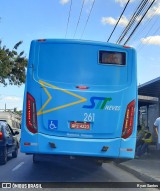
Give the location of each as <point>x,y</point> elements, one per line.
<point>12,66</point>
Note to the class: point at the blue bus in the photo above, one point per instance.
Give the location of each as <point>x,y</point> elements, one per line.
<point>80,99</point>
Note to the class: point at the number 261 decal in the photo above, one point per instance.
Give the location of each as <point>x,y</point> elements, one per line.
<point>89,117</point>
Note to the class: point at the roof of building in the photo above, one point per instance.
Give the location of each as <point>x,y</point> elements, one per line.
<point>151,88</point>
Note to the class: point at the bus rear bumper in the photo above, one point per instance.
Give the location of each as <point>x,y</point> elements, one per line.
<point>107,148</point>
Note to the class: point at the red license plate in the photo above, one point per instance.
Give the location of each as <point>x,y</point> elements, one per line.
<point>80,125</point>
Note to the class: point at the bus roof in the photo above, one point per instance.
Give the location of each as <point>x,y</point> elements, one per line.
<point>81,42</point>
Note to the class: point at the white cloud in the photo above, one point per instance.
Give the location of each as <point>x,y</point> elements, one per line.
<point>11,98</point>
<point>154,40</point>
<point>112,21</point>
<point>123,2</point>
<point>63,2</point>
<point>155,10</point>
<point>11,102</point>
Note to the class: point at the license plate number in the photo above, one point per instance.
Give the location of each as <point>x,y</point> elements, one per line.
<point>80,125</point>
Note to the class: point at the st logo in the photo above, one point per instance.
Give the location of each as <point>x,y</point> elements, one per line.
<point>97,103</point>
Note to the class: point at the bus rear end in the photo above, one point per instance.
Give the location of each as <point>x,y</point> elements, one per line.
<point>80,99</point>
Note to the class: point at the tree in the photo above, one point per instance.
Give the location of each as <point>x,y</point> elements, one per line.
<point>12,65</point>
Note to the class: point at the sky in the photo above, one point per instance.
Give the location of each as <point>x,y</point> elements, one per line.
<point>27,20</point>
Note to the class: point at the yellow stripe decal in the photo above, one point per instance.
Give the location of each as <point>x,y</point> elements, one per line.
<point>42,111</point>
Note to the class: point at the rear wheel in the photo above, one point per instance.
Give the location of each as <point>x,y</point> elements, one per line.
<point>3,156</point>
<point>35,160</point>
<point>99,163</point>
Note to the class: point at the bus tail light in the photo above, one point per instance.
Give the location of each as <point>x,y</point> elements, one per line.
<point>129,120</point>
<point>1,135</point>
<point>31,114</point>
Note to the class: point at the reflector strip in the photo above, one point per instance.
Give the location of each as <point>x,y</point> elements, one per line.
<point>126,149</point>
<point>27,144</point>
<point>129,150</point>
<point>30,144</point>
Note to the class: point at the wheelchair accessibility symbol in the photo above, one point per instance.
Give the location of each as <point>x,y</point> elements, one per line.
<point>52,124</point>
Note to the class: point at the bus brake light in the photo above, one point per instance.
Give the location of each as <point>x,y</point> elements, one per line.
<point>129,120</point>
<point>82,87</point>
<point>31,114</point>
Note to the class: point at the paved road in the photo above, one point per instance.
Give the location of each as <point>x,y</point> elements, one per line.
<point>22,169</point>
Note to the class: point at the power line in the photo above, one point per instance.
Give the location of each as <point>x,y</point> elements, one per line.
<point>142,8</point>
<point>79,18</point>
<point>87,19</point>
<point>118,20</point>
<point>132,21</point>
<point>146,24</point>
<point>154,24</point>
<point>145,27</point>
<point>139,23</point>
<point>68,18</point>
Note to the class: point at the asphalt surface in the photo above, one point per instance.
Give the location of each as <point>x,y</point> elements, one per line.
<point>22,169</point>
<point>60,170</point>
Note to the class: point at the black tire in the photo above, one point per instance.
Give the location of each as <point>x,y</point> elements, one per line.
<point>15,152</point>
<point>3,156</point>
<point>99,163</point>
<point>35,160</point>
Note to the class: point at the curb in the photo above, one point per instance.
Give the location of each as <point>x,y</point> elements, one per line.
<point>137,174</point>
